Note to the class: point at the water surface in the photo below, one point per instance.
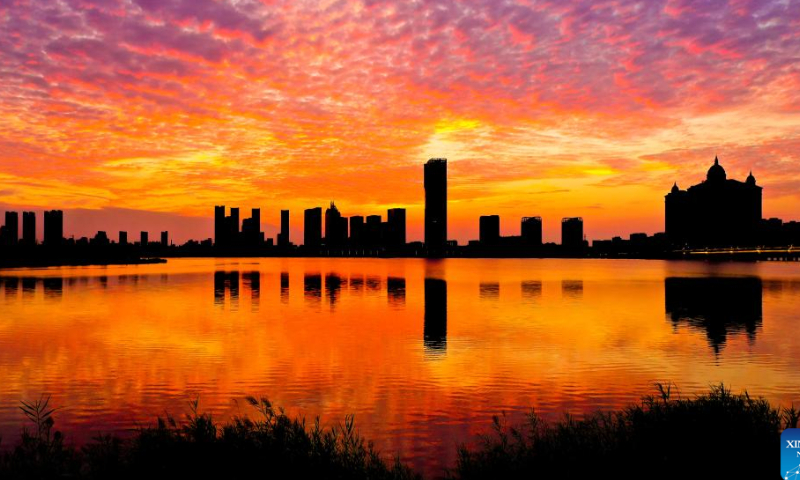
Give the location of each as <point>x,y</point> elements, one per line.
<point>422,352</point>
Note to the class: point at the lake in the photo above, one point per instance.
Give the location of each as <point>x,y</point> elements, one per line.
<point>422,352</point>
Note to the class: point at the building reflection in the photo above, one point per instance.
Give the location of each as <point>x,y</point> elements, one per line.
<point>489,290</point>
<point>333,287</point>
<point>226,282</point>
<point>53,287</point>
<point>284,287</point>
<point>252,281</point>
<point>356,283</point>
<point>435,332</point>
<point>720,306</point>
<point>396,290</point>
<point>28,288</point>
<point>11,286</point>
<point>373,284</point>
<point>531,289</point>
<point>572,289</point>
<point>312,287</point>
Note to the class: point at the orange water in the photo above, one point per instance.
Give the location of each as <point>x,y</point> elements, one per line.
<point>422,352</point>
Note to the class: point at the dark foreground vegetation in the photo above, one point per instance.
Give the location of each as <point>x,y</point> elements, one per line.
<point>715,435</point>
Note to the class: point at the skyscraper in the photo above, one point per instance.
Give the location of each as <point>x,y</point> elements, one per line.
<point>251,229</point>
<point>312,227</point>
<point>53,228</point>
<point>29,228</point>
<point>436,205</point>
<point>143,239</point>
<point>335,227</point>
<point>164,239</point>
<point>232,223</point>
<point>572,232</point>
<point>372,230</point>
<point>11,232</point>
<point>396,220</point>
<point>123,238</point>
<point>357,230</point>
<point>489,229</point>
<point>531,230</point>
<point>219,225</point>
<point>283,237</point>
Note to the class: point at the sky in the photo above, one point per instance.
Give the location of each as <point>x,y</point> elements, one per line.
<point>132,113</point>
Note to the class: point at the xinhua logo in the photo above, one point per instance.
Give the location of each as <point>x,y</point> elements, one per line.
<point>790,454</point>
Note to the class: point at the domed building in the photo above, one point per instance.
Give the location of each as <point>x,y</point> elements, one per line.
<point>718,212</point>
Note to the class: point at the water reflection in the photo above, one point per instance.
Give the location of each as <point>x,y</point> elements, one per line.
<point>53,287</point>
<point>284,287</point>
<point>718,305</point>
<point>435,333</point>
<point>396,290</point>
<point>531,289</point>
<point>252,281</point>
<point>312,287</point>
<point>11,286</point>
<point>28,288</point>
<point>572,289</point>
<point>333,285</point>
<point>356,282</point>
<point>373,284</point>
<point>489,290</point>
<point>224,282</point>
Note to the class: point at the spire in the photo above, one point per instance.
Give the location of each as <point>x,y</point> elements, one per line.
<point>751,180</point>
<point>716,173</point>
<point>675,187</point>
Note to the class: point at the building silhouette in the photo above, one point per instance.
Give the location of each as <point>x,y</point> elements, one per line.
<point>335,227</point>
<point>232,227</point>
<point>283,236</point>
<point>251,235</point>
<point>29,228</point>
<point>53,228</point>
<point>436,205</point>
<point>122,239</point>
<point>718,306</point>
<point>10,234</point>
<point>489,229</point>
<point>144,238</point>
<point>372,231</point>
<point>219,225</point>
<point>572,232</point>
<point>312,227</point>
<point>531,230</point>
<point>396,227</point>
<point>718,212</point>
<point>165,239</point>
<point>357,231</point>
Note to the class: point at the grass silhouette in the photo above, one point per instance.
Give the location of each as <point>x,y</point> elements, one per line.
<point>717,434</point>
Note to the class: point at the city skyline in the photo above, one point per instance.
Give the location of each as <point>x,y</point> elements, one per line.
<point>718,212</point>
<point>164,108</point>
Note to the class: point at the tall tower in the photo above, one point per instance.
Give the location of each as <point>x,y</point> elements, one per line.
<point>312,227</point>
<point>219,225</point>
<point>53,227</point>
<point>29,228</point>
<point>436,205</point>
<point>283,237</point>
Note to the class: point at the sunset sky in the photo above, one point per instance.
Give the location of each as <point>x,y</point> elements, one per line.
<point>144,114</point>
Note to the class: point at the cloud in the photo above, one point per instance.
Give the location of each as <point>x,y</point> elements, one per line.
<point>309,100</point>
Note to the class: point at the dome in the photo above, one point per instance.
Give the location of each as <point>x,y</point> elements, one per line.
<point>716,172</point>
<point>675,188</point>
<point>751,180</point>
